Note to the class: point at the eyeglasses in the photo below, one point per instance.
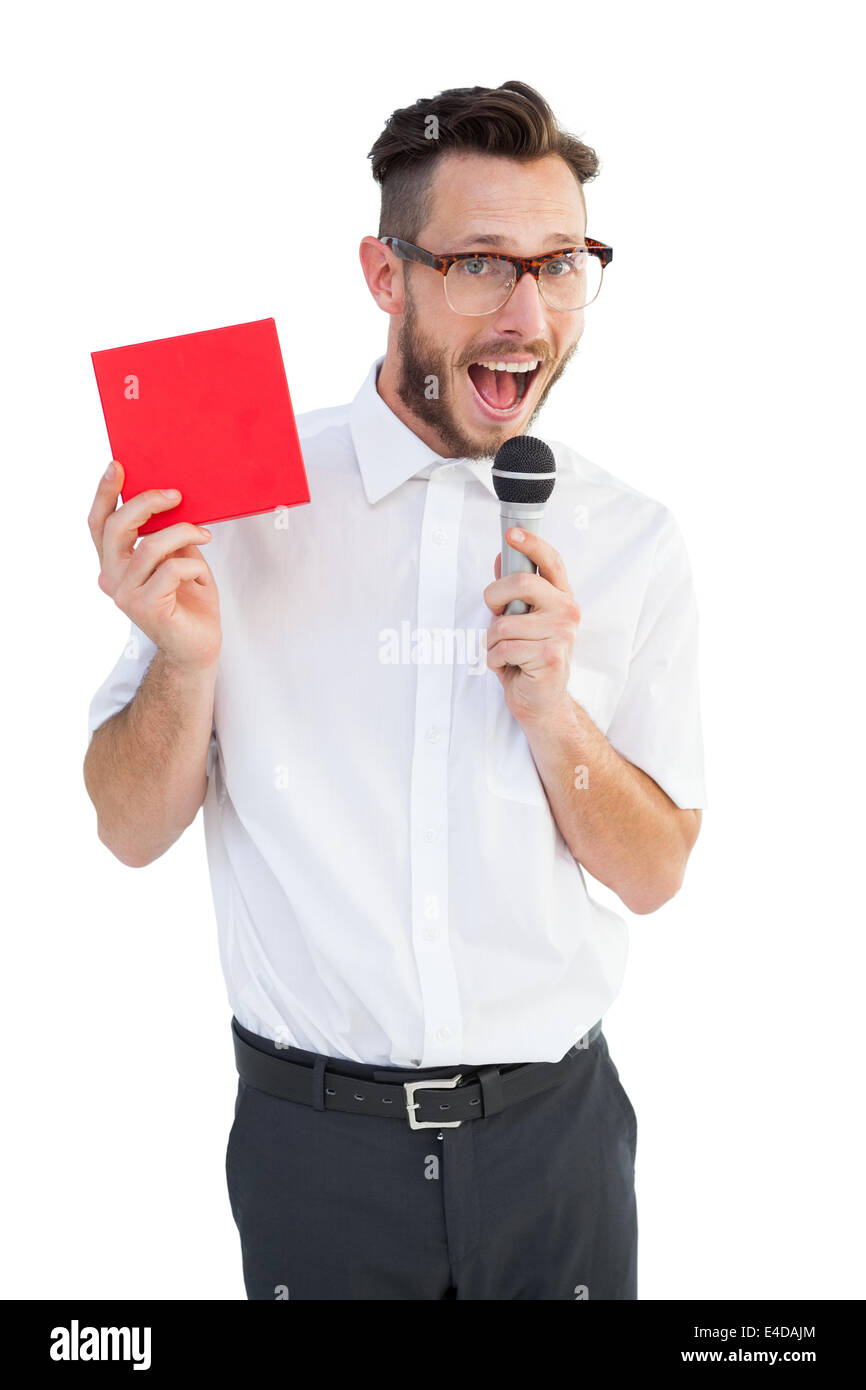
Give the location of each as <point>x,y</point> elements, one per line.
<point>481,282</point>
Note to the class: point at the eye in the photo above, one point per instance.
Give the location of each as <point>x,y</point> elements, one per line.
<point>475,266</point>
<point>560,268</point>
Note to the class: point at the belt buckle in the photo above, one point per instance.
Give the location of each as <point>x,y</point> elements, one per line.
<point>410,1087</point>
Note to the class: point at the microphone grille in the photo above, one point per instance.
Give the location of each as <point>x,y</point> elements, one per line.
<point>524,454</point>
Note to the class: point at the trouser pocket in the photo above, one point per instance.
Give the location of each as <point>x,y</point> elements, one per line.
<point>618,1092</point>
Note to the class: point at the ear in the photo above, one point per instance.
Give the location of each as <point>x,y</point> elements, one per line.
<point>384,275</point>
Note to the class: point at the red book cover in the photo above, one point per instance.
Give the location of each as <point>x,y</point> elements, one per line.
<point>208,413</point>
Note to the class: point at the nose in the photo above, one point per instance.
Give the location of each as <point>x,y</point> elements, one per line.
<point>523,314</point>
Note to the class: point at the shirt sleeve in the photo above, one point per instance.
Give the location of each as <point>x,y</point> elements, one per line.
<point>120,685</point>
<point>657,722</point>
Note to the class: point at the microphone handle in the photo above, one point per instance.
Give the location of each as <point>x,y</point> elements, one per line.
<point>530,515</point>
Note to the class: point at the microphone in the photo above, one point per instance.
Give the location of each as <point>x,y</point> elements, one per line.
<point>524,472</point>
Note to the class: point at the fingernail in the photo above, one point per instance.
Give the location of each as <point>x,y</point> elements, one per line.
<point>170,492</point>
<point>517,534</point>
<point>109,472</point>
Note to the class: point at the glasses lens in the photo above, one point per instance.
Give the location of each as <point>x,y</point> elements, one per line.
<point>482,284</point>
<point>570,282</point>
<point>478,285</point>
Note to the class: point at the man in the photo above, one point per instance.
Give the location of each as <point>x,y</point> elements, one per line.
<point>396,840</point>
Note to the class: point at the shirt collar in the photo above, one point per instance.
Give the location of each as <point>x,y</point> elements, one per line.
<point>388,452</point>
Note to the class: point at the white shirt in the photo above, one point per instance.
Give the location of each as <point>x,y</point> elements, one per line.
<point>389,883</point>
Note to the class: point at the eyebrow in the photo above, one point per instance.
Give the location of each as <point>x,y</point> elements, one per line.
<point>490,239</point>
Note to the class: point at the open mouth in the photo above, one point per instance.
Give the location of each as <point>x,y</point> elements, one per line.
<point>501,387</point>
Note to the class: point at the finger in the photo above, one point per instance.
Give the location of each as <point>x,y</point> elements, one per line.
<point>155,547</point>
<point>121,529</point>
<point>166,580</point>
<point>104,502</point>
<point>532,657</point>
<point>497,566</point>
<point>530,587</point>
<point>526,627</point>
<point>550,563</point>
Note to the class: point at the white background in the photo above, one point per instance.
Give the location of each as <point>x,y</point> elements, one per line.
<point>170,168</point>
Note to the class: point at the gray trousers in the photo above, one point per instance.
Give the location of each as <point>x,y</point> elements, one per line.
<point>535,1202</point>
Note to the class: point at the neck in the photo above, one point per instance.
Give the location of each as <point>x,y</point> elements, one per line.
<point>386,385</point>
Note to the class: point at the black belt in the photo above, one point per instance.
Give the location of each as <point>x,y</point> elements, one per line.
<point>430,1103</point>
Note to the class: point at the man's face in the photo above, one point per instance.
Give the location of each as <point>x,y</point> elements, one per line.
<point>483,202</point>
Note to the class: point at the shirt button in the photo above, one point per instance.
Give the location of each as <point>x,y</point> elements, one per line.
<point>439,536</point>
<point>433,734</point>
<point>443,1034</point>
<point>431,933</point>
<point>429,834</point>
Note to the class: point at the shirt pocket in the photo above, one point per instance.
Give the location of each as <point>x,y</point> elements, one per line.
<point>596,692</point>
<point>509,764</point>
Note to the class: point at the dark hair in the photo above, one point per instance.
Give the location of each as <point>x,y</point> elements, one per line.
<point>512,120</point>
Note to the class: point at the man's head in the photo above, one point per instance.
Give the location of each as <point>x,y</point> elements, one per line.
<point>475,168</point>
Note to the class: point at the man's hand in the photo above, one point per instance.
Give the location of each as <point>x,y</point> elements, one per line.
<point>163,583</point>
<point>531,652</point>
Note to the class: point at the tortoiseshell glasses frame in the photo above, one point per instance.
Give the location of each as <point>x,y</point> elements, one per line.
<point>521,265</point>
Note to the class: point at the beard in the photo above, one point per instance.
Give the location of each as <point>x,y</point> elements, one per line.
<point>420,359</point>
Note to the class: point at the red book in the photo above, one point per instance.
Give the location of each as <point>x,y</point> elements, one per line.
<point>208,413</point>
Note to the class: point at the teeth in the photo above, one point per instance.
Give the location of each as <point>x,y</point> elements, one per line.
<point>510,366</point>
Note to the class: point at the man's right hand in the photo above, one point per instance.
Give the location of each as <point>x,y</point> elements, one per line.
<point>163,584</point>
